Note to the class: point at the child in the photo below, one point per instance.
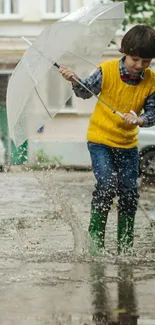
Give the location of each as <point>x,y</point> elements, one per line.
<point>128,85</point>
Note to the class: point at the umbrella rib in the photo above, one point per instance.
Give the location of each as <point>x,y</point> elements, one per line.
<point>28,70</point>
<point>42,102</point>
<point>30,75</point>
<point>81,57</point>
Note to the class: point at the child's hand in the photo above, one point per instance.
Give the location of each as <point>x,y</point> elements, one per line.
<point>67,73</point>
<point>129,118</point>
<point>132,119</point>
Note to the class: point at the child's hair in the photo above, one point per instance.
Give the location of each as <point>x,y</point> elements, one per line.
<point>139,41</point>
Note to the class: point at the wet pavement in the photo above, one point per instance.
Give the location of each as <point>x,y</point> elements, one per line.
<point>47,275</point>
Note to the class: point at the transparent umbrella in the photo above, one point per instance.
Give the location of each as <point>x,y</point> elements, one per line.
<point>36,90</point>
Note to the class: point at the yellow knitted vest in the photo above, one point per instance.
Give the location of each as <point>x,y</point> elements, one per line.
<point>108,128</point>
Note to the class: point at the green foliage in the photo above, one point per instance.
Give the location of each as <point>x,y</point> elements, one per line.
<point>42,158</point>
<point>140,11</point>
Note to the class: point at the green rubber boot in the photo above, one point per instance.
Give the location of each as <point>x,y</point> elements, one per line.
<point>125,234</point>
<point>97,231</point>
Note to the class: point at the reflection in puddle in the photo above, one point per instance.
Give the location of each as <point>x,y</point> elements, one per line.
<point>126,310</point>
<point>75,293</point>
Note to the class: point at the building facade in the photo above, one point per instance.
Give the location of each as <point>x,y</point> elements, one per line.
<point>63,139</point>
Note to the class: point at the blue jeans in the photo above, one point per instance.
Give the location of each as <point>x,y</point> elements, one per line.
<point>116,172</point>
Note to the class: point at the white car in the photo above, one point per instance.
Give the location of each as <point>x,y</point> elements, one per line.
<point>147,151</point>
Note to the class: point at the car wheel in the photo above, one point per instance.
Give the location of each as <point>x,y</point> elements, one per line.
<point>147,162</point>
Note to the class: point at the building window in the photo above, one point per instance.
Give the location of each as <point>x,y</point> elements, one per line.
<point>3,88</point>
<point>1,6</point>
<point>50,5</point>
<point>65,6</point>
<point>14,6</point>
<point>61,6</point>
<point>8,7</point>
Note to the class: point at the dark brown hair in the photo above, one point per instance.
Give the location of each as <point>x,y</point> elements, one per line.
<point>139,41</point>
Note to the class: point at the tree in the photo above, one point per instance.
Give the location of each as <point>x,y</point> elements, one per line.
<point>140,11</point>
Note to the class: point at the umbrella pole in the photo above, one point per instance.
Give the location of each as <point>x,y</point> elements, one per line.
<point>98,98</point>
<point>80,83</point>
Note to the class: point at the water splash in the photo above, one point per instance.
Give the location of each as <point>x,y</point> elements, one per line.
<point>62,208</point>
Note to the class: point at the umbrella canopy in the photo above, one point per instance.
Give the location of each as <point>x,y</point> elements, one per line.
<point>36,90</point>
